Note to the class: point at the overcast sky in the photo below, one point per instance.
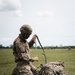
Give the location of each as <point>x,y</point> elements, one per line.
<point>52,20</point>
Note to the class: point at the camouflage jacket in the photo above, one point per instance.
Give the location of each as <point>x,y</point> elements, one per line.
<point>21,49</point>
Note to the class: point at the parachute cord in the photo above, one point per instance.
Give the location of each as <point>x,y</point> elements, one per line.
<point>36,47</point>
<point>36,52</point>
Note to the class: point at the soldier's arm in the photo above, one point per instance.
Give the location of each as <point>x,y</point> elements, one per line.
<point>32,41</point>
<point>14,50</point>
<point>22,54</point>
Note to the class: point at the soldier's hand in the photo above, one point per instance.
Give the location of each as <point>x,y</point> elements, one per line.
<point>34,37</point>
<point>36,59</point>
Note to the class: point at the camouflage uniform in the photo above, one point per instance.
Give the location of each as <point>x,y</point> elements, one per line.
<point>23,60</point>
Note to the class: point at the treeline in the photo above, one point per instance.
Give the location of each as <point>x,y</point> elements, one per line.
<point>56,47</point>
<point>45,47</point>
<point>61,47</point>
<point>5,47</point>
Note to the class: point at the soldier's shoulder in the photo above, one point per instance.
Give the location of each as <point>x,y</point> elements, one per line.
<point>17,40</point>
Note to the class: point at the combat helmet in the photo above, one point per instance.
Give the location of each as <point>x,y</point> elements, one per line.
<point>26,29</point>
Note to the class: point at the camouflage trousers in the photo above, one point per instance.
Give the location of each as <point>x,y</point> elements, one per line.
<point>22,69</point>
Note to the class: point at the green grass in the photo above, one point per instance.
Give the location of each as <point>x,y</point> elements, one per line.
<point>67,56</point>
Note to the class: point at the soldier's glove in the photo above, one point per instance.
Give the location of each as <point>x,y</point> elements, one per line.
<point>34,37</point>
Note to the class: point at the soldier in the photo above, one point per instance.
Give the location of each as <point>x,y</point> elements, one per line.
<point>21,52</point>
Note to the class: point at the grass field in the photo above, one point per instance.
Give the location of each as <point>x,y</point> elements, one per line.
<point>67,56</point>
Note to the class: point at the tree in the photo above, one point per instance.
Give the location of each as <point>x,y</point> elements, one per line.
<point>1,46</point>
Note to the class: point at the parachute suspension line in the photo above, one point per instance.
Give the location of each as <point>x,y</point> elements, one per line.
<point>43,50</point>
<point>36,50</point>
<point>36,47</point>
